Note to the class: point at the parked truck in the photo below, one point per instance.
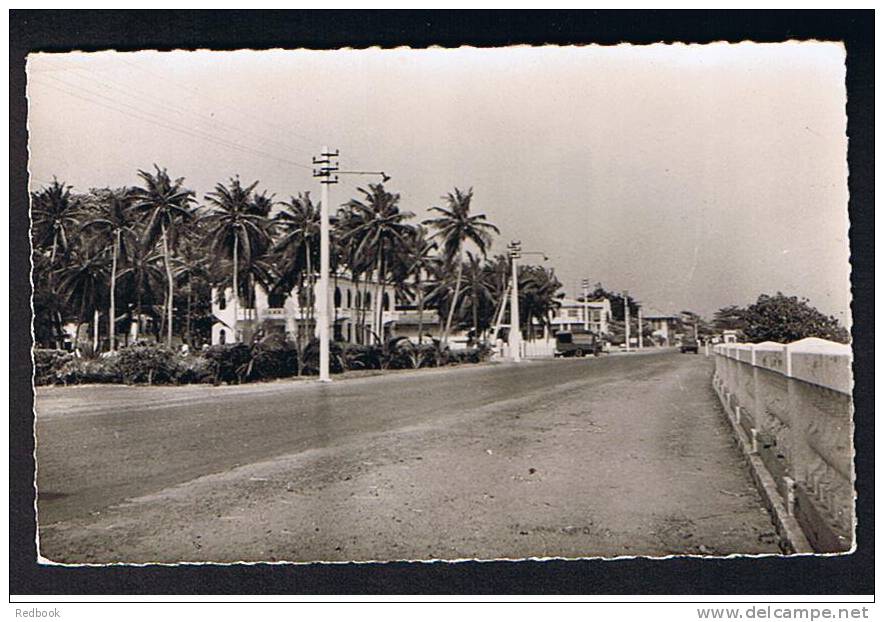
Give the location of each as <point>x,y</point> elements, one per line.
<point>577,344</point>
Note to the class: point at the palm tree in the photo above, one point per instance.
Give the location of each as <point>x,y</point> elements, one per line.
<point>297,242</point>
<point>235,229</point>
<point>81,283</point>
<point>418,257</point>
<point>455,227</point>
<point>479,294</point>
<point>191,270</point>
<point>55,215</point>
<point>165,203</point>
<point>296,249</point>
<point>538,295</point>
<point>381,232</point>
<point>141,277</point>
<point>497,274</point>
<point>113,222</point>
<point>263,204</point>
<point>358,263</point>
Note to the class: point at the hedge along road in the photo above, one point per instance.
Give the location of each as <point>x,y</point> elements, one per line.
<point>619,455</point>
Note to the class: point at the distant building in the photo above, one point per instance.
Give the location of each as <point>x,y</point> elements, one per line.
<point>663,325</point>
<point>574,314</point>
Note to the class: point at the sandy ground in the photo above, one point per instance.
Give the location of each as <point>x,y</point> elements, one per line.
<point>605,457</point>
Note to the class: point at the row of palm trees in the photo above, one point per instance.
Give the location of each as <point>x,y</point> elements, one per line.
<point>152,249</point>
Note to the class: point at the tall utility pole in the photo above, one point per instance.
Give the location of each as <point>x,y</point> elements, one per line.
<point>626,315</point>
<point>641,341</point>
<point>515,340</point>
<point>324,173</point>
<point>585,284</point>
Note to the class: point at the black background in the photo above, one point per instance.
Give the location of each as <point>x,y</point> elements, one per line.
<point>130,30</point>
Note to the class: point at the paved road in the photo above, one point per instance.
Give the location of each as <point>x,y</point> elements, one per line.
<point>619,455</point>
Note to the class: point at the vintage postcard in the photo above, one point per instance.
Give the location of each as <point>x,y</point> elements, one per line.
<point>441,304</point>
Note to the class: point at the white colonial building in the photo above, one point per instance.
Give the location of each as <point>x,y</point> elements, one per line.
<point>352,311</point>
<point>574,314</point>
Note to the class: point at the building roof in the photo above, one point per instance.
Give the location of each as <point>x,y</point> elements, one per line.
<point>568,302</point>
<point>654,314</point>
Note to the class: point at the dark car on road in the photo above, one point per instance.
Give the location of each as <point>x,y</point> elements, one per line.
<point>577,344</point>
<point>689,345</point>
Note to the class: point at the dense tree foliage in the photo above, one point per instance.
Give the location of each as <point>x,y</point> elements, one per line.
<point>145,259</point>
<point>789,318</point>
<point>780,318</point>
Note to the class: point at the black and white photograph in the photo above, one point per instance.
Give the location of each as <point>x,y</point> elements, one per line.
<point>520,303</point>
<point>442,304</point>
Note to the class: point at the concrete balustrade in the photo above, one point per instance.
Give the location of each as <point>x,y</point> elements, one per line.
<point>791,404</point>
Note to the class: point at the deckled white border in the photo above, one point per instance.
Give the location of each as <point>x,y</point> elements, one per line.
<point>720,43</point>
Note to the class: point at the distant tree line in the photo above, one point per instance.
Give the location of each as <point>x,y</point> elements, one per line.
<point>111,257</point>
<point>780,318</point>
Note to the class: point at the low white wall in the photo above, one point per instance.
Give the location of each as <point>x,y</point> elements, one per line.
<point>797,398</point>
<point>540,348</point>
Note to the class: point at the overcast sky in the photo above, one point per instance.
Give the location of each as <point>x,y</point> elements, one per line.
<point>693,176</point>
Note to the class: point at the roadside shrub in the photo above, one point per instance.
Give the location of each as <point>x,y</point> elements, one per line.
<point>470,355</point>
<point>194,369</point>
<point>272,357</point>
<point>349,356</point>
<point>153,364</point>
<point>229,363</point>
<point>47,364</point>
<point>87,371</point>
<point>311,358</point>
<point>408,355</point>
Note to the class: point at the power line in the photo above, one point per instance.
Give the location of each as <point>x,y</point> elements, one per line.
<point>175,127</point>
<point>158,120</point>
<point>123,89</point>
<point>166,79</point>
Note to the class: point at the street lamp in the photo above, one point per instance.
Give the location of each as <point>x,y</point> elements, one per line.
<point>626,315</point>
<point>585,284</point>
<point>515,337</point>
<point>328,173</point>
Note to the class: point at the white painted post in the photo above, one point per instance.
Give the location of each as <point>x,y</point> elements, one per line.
<point>641,343</point>
<point>586,305</point>
<point>95,319</point>
<point>324,256</point>
<point>626,316</point>
<point>515,335</point>
<point>790,495</point>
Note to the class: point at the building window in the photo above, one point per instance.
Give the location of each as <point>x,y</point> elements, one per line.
<point>337,298</point>
<point>222,300</point>
<point>276,301</point>
<point>358,299</point>
<point>349,300</point>
<point>367,300</point>
<point>386,302</point>
<point>222,337</point>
